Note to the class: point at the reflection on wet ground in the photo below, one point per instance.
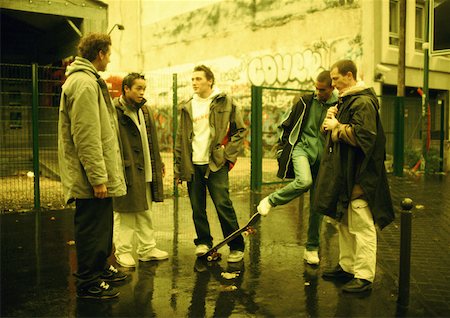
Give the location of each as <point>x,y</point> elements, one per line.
<point>37,262</point>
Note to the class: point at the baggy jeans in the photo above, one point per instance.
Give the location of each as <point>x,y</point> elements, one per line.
<point>217,184</point>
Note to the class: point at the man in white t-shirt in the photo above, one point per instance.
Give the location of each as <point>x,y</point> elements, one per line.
<point>209,138</point>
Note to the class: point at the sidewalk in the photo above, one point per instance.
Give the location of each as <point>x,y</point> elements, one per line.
<point>37,262</point>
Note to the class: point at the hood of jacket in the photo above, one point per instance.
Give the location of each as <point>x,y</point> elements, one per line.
<point>215,92</point>
<point>361,90</point>
<point>81,64</point>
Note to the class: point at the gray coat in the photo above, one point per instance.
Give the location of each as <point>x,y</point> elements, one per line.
<point>227,136</point>
<point>133,158</point>
<point>88,147</point>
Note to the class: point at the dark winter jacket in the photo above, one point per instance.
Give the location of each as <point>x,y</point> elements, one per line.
<point>227,136</point>
<point>344,166</point>
<point>135,199</point>
<point>291,130</point>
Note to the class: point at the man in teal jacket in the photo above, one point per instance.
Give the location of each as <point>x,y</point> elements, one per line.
<point>300,149</point>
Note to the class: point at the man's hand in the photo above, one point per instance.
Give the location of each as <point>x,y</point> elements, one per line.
<point>100,191</point>
<point>332,111</point>
<point>330,123</point>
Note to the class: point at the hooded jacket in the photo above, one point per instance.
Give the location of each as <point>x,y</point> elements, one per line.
<point>226,136</point>
<point>291,129</point>
<point>88,147</point>
<point>134,161</point>
<point>345,167</point>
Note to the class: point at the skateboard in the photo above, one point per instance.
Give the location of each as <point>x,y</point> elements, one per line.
<point>212,254</point>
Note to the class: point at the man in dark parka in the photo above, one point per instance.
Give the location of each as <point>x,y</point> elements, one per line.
<point>143,172</point>
<point>352,185</point>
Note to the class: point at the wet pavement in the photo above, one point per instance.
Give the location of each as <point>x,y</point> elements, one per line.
<point>38,259</point>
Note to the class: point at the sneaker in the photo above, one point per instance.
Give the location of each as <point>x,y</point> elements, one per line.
<point>201,249</point>
<point>125,260</point>
<point>155,255</point>
<point>311,257</point>
<point>99,291</point>
<point>112,274</point>
<point>235,256</point>
<point>264,206</point>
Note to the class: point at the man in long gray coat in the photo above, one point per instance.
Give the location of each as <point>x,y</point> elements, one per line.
<point>90,165</point>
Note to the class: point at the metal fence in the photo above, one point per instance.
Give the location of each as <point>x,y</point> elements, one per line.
<point>29,103</point>
<point>29,100</point>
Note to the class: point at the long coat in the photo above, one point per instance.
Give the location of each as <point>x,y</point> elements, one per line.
<point>135,199</point>
<point>343,165</point>
<point>227,136</point>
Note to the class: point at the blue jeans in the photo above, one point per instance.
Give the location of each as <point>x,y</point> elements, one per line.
<point>217,184</point>
<point>305,175</point>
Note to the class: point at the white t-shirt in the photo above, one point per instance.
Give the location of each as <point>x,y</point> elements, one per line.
<point>202,130</point>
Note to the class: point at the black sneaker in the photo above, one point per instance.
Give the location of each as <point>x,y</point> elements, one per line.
<point>337,273</point>
<point>112,275</point>
<point>100,291</point>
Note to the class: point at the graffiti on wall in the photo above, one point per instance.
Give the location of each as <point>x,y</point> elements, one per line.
<point>300,67</point>
<point>236,75</point>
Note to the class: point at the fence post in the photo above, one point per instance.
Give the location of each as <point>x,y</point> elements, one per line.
<point>35,126</point>
<point>174,124</point>
<point>405,252</point>
<point>256,139</point>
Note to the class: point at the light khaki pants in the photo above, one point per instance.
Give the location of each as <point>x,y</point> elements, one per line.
<point>134,225</point>
<point>358,241</point>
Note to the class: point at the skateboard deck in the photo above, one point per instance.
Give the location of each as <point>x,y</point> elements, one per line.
<point>212,254</point>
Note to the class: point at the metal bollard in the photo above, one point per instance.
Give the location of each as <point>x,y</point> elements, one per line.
<point>405,252</point>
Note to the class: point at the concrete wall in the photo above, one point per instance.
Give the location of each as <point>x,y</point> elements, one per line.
<point>282,43</point>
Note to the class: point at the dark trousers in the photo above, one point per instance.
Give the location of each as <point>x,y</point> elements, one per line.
<point>217,184</point>
<point>93,238</point>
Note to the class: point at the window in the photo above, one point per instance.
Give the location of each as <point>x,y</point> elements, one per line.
<point>394,22</point>
<point>420,25</point>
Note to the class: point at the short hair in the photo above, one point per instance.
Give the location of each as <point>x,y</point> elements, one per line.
<point>129,80</point>
<point>208,73</point>
<point>93,43</point>
<point>345,66</point>
<point>324,77</point>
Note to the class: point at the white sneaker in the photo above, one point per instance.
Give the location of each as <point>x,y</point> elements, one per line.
<point>125,260</point>
<point>264,206</point>
<point>201,249</point>
<point>235,256</point>
<point>311,257</point>
<point>154,255</point>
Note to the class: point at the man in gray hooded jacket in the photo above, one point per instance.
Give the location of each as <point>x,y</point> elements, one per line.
<point>90,165</point>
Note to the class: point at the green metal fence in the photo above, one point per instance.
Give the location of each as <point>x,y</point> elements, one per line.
<point>29,100</point>
<point>269,104</point>
<point>29,107</point>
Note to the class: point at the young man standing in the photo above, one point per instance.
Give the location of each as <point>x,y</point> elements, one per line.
<point>209,138</point>
<point>144,171</point>
<point>299,152</point>
<point>352,185</point>
<point>90,165</point>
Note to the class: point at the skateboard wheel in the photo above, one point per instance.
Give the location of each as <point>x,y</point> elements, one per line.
<point>209,258</point>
